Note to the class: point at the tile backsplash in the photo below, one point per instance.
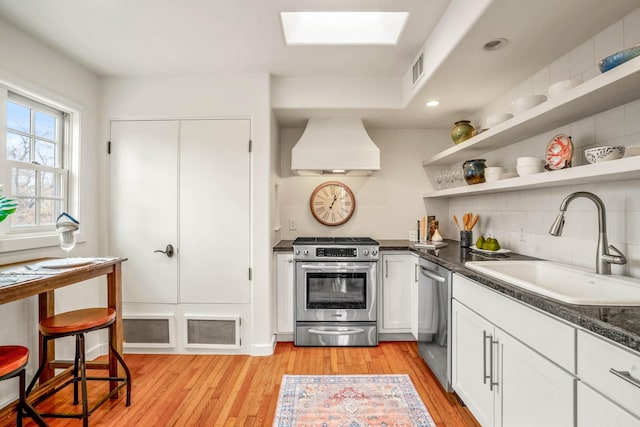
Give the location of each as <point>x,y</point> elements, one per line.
<point>520,220</point>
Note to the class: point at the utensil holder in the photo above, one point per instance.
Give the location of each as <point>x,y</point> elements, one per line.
<point>466,237</point>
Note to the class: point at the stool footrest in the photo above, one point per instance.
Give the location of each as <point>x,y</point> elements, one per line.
<point>92,408</point>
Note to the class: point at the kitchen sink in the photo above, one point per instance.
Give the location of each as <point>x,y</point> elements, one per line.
<point>565,283</point>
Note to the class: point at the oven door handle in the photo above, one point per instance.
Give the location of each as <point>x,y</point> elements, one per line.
<point>335,267</point>
<point>354,331</point>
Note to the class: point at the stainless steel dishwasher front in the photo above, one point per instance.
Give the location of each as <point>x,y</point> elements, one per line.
<point>434,320</point>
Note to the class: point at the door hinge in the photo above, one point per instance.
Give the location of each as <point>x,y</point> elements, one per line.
<point>250,273</point>
<point>108,147</point>
<point>250,146</point>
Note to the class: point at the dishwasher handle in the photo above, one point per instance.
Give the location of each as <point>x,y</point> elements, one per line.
<point>431,275</point>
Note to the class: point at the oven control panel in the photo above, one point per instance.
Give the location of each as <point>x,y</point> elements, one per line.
<point>351,253</point>
<point>337,252</point>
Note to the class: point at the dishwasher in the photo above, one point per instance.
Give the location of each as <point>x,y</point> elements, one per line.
<point>434,320</point>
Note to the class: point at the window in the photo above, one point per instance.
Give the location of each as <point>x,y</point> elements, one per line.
<point>36,137</point>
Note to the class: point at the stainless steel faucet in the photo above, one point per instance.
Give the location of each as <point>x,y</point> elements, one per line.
<point>604,258</point>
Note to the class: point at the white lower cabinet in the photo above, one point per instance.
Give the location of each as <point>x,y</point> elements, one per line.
<point>284,293</point>
<point>502,380</point>
<point>608,373</point>
<point>395,296</point>
<point>595,410</point>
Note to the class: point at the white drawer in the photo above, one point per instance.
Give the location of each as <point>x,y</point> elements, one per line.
<point>597,357</point>
<point>549,336</point>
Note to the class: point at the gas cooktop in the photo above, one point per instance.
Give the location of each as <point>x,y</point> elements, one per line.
<point>329,241</point>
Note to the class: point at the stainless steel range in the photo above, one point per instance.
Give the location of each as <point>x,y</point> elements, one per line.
<point>335,291</point>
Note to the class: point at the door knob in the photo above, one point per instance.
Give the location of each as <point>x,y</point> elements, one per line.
<point>168,251</point>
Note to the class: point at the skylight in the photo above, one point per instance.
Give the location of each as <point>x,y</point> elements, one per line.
<point>342,28</point>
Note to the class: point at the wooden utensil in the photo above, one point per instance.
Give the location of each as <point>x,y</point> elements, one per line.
<point>465,221</point>
<point>474,221</point>
<point>455,219</point>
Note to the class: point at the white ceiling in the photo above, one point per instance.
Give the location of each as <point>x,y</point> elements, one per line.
<point>183,37</point>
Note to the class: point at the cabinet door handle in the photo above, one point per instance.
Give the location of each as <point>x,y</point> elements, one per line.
<point>485,377</point>
<point>386,268</point>
<point>625,375</point>
<point>289,261</point>
<point>415,273</point>
<point>492,383</point>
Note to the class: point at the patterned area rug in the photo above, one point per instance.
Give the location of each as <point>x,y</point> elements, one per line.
<point>350,400</point>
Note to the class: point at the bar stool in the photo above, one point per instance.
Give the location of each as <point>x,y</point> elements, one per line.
<point>77,323</point>
<point>13,361</point>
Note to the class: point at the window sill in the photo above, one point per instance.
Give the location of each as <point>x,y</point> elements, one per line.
<point>11,243</point>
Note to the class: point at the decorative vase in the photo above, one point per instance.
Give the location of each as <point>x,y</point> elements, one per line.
<point>474,171</point>
<point>462,131</point>
<point>618,58</point>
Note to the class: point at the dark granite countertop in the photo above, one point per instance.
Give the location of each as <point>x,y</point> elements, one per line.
<point>620,324</point>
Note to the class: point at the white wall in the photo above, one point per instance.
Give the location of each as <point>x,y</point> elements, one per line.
<point>388,203</point>
<point>503,214</point>
<point>34,67</point>
<point>211,96</point>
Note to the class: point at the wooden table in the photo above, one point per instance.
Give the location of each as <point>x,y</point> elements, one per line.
<point>45,283</point>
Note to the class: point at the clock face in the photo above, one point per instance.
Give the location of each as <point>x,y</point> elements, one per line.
<point>332,203</point>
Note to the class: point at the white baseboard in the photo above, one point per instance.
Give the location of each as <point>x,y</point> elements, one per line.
<point>264,349</point>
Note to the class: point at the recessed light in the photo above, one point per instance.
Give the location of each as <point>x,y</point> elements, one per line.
<point>495,44</point>
<point>342,28</point>
<point>433,103</point>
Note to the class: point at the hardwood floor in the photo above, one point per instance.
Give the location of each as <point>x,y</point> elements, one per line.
<point>215,390</point>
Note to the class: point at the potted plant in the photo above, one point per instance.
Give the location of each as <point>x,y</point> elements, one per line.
<point>7,206</point>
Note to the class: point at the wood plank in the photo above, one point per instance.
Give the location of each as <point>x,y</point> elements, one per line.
<point>229,390</point>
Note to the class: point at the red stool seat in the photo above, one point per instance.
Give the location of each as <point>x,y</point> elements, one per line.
<point>13,361</point>
<point>75,321</point>
<point>12,358</point>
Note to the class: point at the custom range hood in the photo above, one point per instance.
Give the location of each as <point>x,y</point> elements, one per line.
<point>335,145</point>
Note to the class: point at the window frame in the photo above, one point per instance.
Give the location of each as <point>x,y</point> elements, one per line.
<point>63,125</point>
<point>10,240</point>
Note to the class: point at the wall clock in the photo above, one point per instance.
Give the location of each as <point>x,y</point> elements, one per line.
<point>332,203</point>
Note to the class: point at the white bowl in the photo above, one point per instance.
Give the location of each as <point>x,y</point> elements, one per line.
<point>496,119</point>
<point>493,173</point>
<point>632,151</point>
<point>529,169</point>
<point>524,103</point>
<point>563,86</point>
<point>603,154</point>
<point>530,161</point>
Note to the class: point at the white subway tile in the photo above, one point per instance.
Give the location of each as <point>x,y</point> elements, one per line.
<point>633,228</point>
<point>631,24</point>
<point>610,124</point>
<point>632,119</point>
<point>632,189</point>
<point>609,41</point>
<point>560,69</point>
<point>540,81</point>
<point>581,58</point>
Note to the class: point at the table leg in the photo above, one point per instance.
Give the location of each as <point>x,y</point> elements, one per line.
<point>116,332</point>
<point>46,304</point>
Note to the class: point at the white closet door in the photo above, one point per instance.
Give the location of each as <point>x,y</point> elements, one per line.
<point>143,188</point>
<point>214,211</point>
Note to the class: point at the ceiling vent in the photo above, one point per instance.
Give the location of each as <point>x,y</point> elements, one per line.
<point>418,68</point>
<point>335,145</point>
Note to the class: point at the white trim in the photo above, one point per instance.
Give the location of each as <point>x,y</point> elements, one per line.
<point>13,241</point>
<point>264,349</point>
